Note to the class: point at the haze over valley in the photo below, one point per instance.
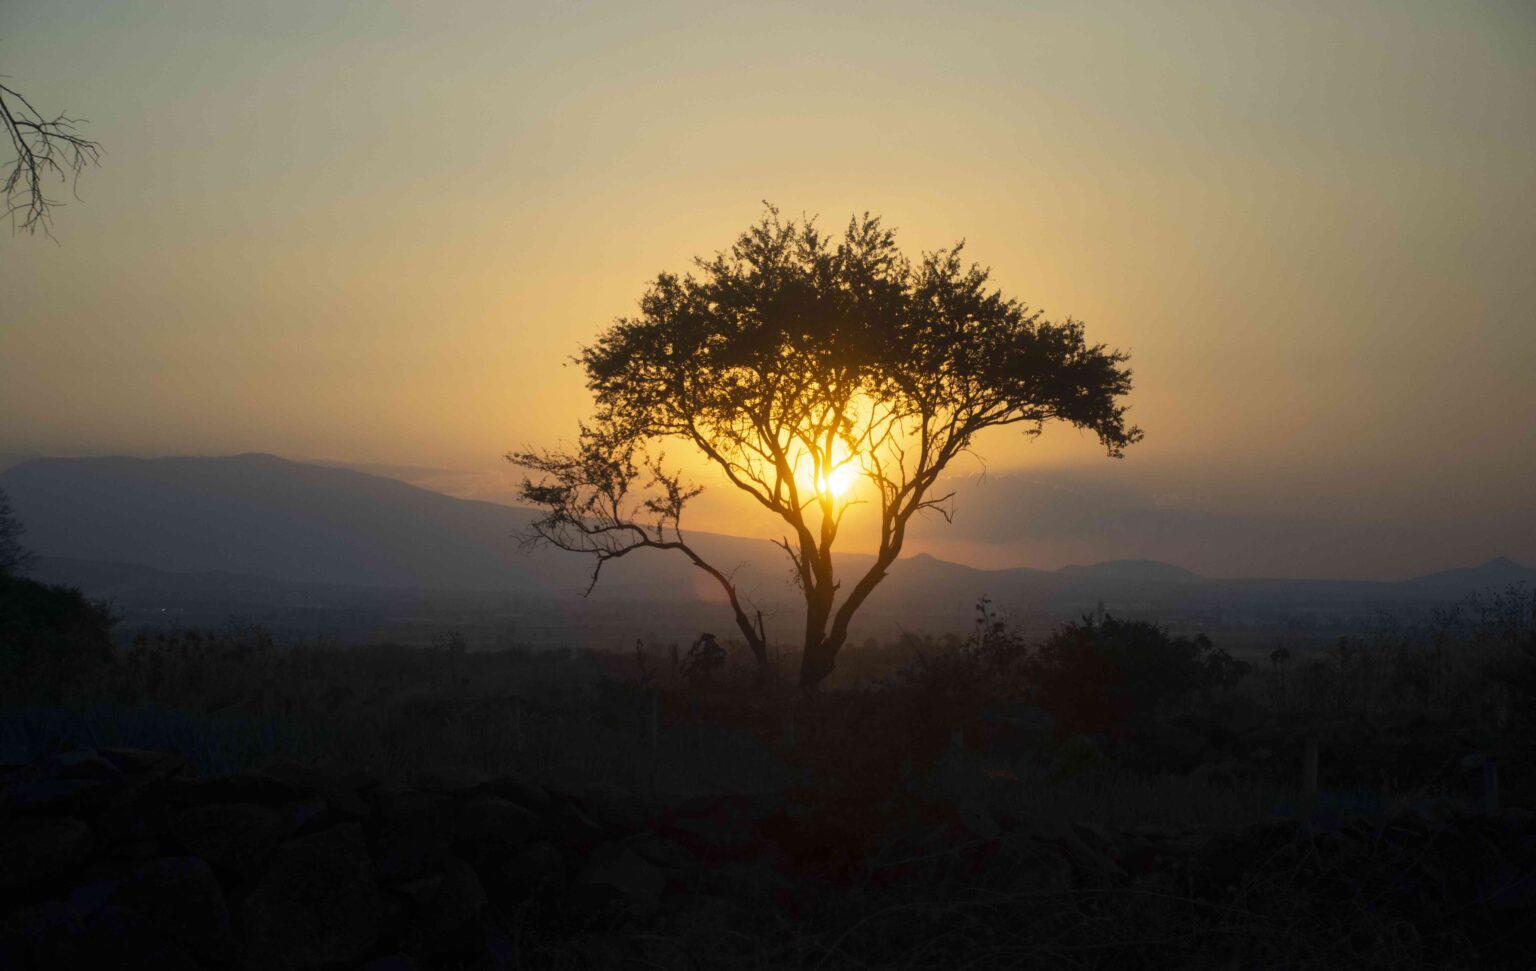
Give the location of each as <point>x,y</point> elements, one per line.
<point>312,550</point>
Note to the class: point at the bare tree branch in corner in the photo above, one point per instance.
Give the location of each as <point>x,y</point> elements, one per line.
<point>45,147</point>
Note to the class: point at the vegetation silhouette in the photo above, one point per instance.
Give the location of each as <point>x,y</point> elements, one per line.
<point>813,373</point>
<point>1101,674</point>
<point>50,636</point>
<point>14,558</point>
<point>45,146</point>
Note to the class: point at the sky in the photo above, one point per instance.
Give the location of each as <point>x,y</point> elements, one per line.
<point>374,233</point>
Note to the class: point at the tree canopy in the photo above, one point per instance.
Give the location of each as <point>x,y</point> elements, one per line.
<point>797,363</point>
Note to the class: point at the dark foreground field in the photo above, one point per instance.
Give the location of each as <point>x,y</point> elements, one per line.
<point>223,801</point>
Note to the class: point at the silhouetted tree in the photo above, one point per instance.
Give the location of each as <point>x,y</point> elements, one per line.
<point>14,557</point>
<point>50,636</point>
<point>705,657</point>
<point>794,363</point>
<point>46,147</point>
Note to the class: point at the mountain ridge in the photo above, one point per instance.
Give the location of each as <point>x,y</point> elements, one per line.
<point>264,478</point>
<point>189,529</point>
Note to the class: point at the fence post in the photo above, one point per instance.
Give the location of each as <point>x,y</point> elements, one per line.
<point>517,724</point>
<point>653,732</point>
<point>1309,773</point>
<point>1490,786</point>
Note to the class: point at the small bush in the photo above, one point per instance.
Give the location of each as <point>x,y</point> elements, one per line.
<point>50,637</point>
<point>1101,675</point>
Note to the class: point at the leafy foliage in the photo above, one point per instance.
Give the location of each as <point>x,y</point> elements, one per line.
<point>14,558</point>
<point>50,636</point>
<point>794,357</point>
<point>1101,673</point>
<point>705,657</point>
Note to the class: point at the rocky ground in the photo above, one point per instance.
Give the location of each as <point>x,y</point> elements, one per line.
<point>124,858</point>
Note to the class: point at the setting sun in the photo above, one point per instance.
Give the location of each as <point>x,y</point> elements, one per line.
<point>839,481</point>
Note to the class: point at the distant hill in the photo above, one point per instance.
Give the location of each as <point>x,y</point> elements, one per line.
<point>1498,572</point>
<point>8,459</point>
<point>325,547</point>
<point>1133,570</point>
<point>290,521</point>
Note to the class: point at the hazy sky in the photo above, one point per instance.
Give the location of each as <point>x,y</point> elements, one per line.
<point>373,232</point>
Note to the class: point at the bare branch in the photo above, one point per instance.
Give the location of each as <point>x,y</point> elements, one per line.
<point>45,148</point>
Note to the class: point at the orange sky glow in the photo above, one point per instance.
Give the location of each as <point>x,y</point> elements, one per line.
<point>375,233</point>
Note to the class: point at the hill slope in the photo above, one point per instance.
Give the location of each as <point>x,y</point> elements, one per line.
<point>267,516</point>
<point>257,529</point>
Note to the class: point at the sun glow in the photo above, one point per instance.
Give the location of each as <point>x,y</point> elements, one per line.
<point>837,482</point>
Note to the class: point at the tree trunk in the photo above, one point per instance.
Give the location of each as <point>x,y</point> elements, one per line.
<point>817,662</point>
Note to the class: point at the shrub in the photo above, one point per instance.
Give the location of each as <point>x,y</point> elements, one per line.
<point>50,636</point>
<point>1101,674</point>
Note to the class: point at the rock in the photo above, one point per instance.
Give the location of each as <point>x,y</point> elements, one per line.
<point>123,937</point>
<point>46,935</point>
<point>311,787</point>
<point>354,780</point>
<point>346,803</point>
<point>1216,775</point>
<point>663,853</point>
<point>88,898</point>
<point>459,900</point>
<point>1439,811</point>
<point>605,951</point>
<point>138,809</point>
<point>567,823</point>
<point>234,836</point>
<point>450,779</point>
<point>711,918</point>
<point>1093,836</point>
<point>42,852</point>
<point>1512,819</point>
<point>304,814</point>
<point>1086,857</point>
<point>1041,866</point>
<point>240,787</point>
<point>526,794</point>
<point>298,778</point>
<point>532,869</point>
<point>493,819</point>
<point>498,952</point>
<point>616,867</point>
<point>182,900</point>
<point>416,831</point>
<point>613,809</point>
<point>715,828</point>
<point>420,891</point>
<point>137,761</point>
<point>136,850</point>
<point>52,796</point>
<point>82,763</point>
<point>317,904</point>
